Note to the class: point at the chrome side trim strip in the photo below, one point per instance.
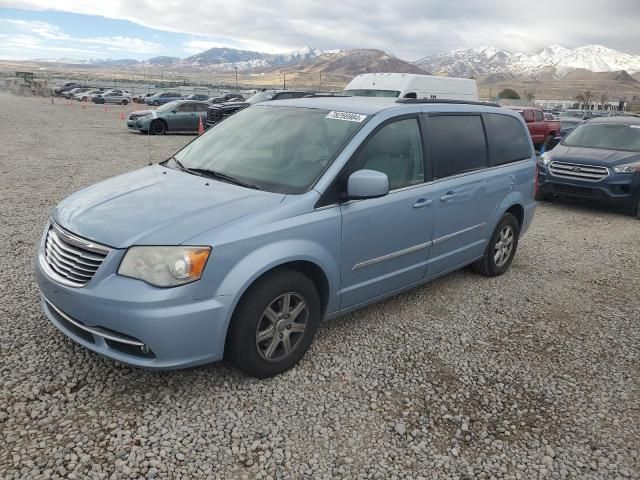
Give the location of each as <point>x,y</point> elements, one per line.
<point>93,330</point>
<point>455,234</point>
<point>389,256</point>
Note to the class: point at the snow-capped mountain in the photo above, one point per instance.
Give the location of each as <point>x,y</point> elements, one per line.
<point>230,58</point>
<point>556,59</point>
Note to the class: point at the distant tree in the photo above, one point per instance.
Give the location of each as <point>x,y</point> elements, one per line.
<point>509,93</point>
<point>604,98</point>
<point>530,95</point>
<point>584,99</point>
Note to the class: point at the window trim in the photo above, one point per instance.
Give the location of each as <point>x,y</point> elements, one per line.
<point>326,199</point>
<point>487,146</point>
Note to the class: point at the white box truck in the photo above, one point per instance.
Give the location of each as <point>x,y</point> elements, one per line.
<point>410,85</point>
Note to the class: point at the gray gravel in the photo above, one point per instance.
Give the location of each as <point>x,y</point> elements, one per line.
<point>534,374</point>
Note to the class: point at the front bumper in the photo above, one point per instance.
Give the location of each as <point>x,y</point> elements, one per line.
<point>616,189</point>
<point>135,323</point>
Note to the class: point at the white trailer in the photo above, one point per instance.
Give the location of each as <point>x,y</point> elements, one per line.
<point>410,85</point>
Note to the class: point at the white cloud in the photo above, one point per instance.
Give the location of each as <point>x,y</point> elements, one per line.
<point>44,36</point>
<point>408,28</point>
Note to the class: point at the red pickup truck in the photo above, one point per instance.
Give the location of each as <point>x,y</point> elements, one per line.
<point>542,131</point>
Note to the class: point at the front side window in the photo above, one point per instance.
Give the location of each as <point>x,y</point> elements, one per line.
<point>185,107</point>
<point>538,115</point>
<point>278,149</point>
<point>609,136</point>
<point>396,150</point>
<point>459,144</point>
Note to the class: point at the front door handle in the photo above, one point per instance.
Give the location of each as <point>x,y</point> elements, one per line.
<point>422,202</point>
<point>447,196</point>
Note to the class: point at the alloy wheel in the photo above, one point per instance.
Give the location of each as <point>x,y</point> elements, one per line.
<point>504,246</point>
<point>281,326</point>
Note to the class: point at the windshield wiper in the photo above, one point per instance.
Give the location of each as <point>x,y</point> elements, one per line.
<point>205,172</point>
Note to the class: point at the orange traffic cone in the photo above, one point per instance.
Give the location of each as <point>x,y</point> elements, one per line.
<point>200,127</point>
<point>121,115</point>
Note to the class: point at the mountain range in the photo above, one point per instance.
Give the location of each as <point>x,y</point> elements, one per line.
<point>487,64</point>
<point>555,60</point>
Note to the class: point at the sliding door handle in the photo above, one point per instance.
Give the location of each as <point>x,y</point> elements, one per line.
<point>447,196</point>
<point>422,202</point>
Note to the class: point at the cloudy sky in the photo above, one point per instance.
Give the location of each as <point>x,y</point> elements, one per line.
<point>409,29</point>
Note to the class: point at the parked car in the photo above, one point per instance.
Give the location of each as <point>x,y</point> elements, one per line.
<point>543,132</point>
<point>549,117</point>
<point>566,125</point>
<point>220,111</point>
<point>227,97</point>
<point>198,96</point>
<point>176,116</point>
<point>142,97</point>
<point>69,94</point>
<point>599,161</point>
<point>87,95</point>
<point>161,98</point>
<point>67,86</point>
<point>579,114</point>
<point>285,214</point>
<point>120,97</point>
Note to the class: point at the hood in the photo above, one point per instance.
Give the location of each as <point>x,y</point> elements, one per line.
<point>592,156</point>
<point>139,113</point>
<point>156,206</point>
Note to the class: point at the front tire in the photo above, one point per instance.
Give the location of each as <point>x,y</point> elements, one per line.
<point>158,127</point>
<point>274,324</point>
<point>156,103</point>
<point>124,102</point>
<point>501,248</point>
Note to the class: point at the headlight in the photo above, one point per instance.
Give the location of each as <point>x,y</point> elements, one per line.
<point>165,266</point>
<point>627,168</point>
<point>545,159</point>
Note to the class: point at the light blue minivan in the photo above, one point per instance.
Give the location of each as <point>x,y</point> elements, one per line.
<point>283,215</point>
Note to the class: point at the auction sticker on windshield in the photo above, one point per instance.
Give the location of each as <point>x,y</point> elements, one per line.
<point>349,117</point>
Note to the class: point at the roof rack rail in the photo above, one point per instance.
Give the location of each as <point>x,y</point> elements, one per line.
<point>444,100</point>
<point>322,95</point>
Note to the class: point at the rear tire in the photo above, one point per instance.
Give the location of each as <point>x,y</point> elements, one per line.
<point>265,337</point>
<point>124,102</point>
<point>548,142</point>
<point>156,103</point>
<point>501,248</point>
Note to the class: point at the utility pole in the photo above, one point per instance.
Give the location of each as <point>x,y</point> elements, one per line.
<point>284,81</point>
<point>236,69</point>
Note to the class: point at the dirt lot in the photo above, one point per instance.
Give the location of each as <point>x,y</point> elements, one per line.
<point>534,374</point>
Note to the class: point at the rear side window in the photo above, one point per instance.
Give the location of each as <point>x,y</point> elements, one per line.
<point>458,144</point>
<point>508,140</point>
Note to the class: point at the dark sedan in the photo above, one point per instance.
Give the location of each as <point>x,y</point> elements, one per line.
<point>598,160</point>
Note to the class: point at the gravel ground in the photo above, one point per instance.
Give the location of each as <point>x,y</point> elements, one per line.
<point>534,374</point>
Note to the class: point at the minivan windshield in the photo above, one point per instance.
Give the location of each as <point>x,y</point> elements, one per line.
<point>277,149</point>
<point>609,136</point>
<point>373,93</point>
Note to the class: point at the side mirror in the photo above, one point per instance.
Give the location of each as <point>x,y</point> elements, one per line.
<point>367,184</point>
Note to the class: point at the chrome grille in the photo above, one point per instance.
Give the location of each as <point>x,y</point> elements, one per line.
<point>72,260</point>
<point>575,170</point>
